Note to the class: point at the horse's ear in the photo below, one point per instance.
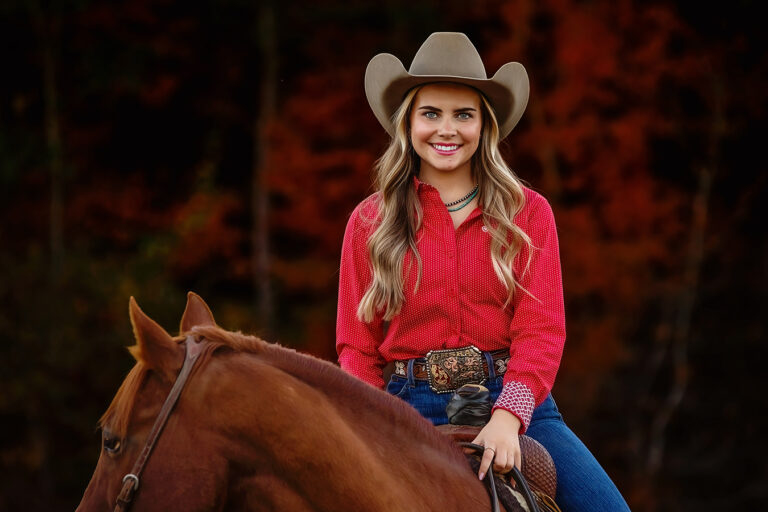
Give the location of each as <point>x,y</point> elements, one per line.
<point>197,312</point>
<point>154,347</point>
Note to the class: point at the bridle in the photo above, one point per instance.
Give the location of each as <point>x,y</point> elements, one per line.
<point>131,480</point>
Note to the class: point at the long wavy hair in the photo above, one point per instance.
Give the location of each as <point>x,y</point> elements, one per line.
<point>399,214</point>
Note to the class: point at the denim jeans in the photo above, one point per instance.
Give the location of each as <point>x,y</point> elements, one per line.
<point>582,484</point>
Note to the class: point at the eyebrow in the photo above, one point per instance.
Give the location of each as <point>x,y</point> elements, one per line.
<point>464,109</point>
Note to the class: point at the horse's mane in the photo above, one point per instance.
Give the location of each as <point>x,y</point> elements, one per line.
<point>119,411</point>
<point>318,373</point>
<point>334,381</point>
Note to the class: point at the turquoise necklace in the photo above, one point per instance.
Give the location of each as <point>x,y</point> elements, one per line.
<point>464,201</point>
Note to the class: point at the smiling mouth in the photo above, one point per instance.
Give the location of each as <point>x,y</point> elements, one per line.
<point>445,148</point>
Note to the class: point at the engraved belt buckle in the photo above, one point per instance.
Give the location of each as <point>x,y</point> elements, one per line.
<point>448,370</point>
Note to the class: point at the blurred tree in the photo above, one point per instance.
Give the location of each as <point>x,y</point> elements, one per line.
<point>266,31</point>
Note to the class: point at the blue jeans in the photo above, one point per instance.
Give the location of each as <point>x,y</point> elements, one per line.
<point>582,484</point>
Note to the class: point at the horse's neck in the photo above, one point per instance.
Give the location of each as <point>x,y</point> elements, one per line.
<point>359,403</point>
<point>332,437</point>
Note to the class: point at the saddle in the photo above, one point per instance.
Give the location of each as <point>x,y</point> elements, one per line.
<point>468,411</point>
<point>537,466</point>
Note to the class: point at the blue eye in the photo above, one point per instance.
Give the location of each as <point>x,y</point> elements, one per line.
<point>464,116</point>
<point>430,115</point>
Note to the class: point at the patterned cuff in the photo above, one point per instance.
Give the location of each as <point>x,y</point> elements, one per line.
<point>517,398</point>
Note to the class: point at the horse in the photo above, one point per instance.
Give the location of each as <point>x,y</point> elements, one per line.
<point>263,427</point>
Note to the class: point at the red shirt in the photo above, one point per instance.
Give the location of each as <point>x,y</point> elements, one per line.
<point>460,300</point>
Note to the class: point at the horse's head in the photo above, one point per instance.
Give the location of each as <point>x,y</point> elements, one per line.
<point>128,420</point>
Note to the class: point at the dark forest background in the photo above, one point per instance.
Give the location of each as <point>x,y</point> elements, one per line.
<point>150,147</point>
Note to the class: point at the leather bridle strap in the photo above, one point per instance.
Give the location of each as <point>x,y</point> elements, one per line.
<point>489,476</point>
<point>131,480</point>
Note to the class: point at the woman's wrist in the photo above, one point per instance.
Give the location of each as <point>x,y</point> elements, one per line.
<point>506,417</point>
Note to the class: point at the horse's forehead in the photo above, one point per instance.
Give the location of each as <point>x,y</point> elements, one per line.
<point>138,400</point>
<point>151,395</point>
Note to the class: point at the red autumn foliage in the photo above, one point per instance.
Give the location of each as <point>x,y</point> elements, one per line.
<point>633,107</point>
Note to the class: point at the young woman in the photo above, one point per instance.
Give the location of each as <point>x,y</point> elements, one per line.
<point>450,272</point>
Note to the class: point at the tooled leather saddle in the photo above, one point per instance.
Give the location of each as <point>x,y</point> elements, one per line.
<point>468,411</point>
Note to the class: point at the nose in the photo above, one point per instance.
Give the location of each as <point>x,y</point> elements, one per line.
<point>446,128</point>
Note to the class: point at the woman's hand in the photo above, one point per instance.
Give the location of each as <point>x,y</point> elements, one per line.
<point>499,437</point>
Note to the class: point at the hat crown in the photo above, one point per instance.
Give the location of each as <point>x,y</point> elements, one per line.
<point>445,57</point>
<point>448,54</point>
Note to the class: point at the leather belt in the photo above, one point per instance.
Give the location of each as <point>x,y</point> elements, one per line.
<point>447,370</point>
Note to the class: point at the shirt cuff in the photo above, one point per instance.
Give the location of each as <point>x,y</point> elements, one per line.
<point>517,398</point>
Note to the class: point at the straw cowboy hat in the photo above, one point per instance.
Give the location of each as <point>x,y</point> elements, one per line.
<point>446,57</point>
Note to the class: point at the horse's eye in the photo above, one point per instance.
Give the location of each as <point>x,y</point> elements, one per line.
<point>111,443</point>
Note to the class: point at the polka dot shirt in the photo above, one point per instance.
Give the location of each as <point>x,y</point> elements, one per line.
<point>460,300</point>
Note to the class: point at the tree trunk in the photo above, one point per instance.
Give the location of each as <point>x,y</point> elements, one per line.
<point>545,148</point>
<point>53,144</point>
<point>681,331</point>
<point>260,246</point>
<point>47,27</point>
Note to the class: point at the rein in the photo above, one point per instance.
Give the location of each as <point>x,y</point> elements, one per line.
<point>131,480</point>
<point>522,485</point>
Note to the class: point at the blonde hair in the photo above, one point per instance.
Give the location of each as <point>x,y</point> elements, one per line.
<point>399,215</point>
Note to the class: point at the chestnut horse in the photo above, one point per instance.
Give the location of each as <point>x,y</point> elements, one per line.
<point>262,427</point>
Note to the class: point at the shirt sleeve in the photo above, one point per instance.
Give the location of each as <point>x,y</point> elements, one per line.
<point>357,342</point>
<point>537,329</point>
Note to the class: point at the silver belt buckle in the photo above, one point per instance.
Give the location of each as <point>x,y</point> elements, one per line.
<point>448,370</point>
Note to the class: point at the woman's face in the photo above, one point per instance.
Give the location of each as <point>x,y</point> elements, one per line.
<point>446,124</point>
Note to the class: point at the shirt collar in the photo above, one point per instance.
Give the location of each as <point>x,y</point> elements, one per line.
<point>424,188</point>
<point>417,183</point>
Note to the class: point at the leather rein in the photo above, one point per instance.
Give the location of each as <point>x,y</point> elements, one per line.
<point>132,479</point>
<point>522,485</point>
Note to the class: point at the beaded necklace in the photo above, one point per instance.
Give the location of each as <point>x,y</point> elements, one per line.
<point>464,201</point>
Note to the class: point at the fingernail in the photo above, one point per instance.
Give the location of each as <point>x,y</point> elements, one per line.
<point>481,476</point>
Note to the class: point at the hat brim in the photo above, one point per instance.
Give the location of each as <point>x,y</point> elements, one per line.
<point>387,82</point>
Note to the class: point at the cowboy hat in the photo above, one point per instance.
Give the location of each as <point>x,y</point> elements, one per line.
<point>446,57</point>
